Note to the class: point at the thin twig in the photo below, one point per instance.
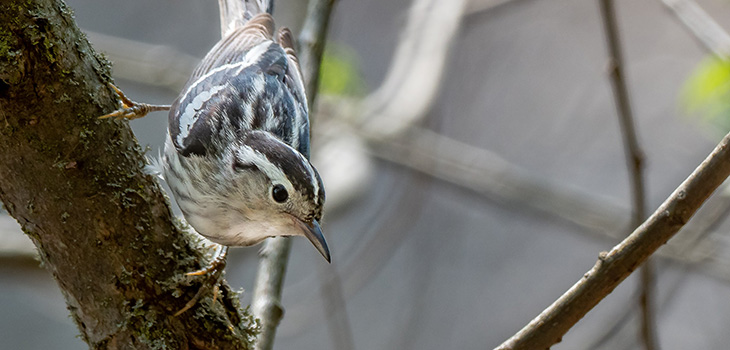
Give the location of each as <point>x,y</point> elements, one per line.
<point>708,221</point>
<point>311,44</point>
<point>646,304</point>
<point>613,267</point>
<point>313,37</point>
<point>634,160</point>
<point>634,155</point>
<point>266,301</point>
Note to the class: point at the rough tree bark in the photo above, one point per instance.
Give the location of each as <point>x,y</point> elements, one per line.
<point>77,187</point>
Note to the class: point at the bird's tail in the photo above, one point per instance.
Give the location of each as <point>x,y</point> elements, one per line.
<point>235,13</point>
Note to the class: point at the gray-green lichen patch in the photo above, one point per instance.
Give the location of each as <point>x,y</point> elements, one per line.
<point>89,187</point>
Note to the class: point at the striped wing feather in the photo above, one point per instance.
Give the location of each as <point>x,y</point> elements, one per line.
<point>211,101</point>
<point>294,75</point>
<point>234,47</point>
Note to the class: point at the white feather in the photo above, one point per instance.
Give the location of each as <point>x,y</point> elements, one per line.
<point>154,166</point>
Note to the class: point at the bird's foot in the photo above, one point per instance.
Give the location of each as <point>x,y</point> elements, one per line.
<point>213,271</point>
<point>132,110</point>
<point>216,264</point>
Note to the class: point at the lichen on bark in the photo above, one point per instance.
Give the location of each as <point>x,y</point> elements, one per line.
<point>76,185</point>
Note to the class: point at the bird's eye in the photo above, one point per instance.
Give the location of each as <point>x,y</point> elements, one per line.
<point>279,193</point>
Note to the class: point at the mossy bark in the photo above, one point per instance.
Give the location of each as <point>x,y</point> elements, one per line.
<point>76,186</point>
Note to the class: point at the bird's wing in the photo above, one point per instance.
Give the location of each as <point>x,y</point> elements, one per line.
<point>295,84</point>
<point>190,116</point>
<point>235,46</point>
<point>294,80</point>
<point>247,63</point>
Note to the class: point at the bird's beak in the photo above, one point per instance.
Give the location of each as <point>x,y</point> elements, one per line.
<point>314,233</point>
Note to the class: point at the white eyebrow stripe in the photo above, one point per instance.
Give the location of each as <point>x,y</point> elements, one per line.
<point>315,183</point>
<point>271,171</point>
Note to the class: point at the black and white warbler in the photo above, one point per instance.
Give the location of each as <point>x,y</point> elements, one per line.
<point>237,151</point>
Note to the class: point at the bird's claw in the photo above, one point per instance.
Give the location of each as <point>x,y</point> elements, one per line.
<point>130,109</point>
<point>216,265</point>
<point>214,270</point>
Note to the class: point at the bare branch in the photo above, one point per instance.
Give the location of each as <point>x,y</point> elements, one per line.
<point>613,267</point>
<point>275,252</point>
<point>634,162</point>
<point>312,40</point>
<point>266,303</point>
<point>634,155</point>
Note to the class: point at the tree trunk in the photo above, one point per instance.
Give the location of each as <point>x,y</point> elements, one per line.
<point>76,186</point>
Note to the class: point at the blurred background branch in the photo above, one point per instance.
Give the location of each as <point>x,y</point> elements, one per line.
<point>414,74</point>
<point>274,254</point>
<point>462,165</point>
<point>634,162</point>
<point>437,154</point>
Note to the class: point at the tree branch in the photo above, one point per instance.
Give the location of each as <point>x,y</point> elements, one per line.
<point>634,162</point>
<point>76,185</point>
<point>312,40</point>
<point>613,267</point>
<point>266,301</point>
<point>274,255</point>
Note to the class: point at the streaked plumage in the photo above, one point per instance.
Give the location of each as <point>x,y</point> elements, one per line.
<point>240,128</point>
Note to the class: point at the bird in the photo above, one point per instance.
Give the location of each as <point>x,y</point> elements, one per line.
<point>236,154</point>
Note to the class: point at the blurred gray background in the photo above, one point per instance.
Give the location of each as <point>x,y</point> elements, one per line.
<point>424,262</point>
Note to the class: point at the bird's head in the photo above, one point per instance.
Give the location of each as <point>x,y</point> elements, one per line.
<point>276,188</point>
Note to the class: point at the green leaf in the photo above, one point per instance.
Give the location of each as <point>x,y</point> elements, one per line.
<point>340,73</point>
<point>707,91</point>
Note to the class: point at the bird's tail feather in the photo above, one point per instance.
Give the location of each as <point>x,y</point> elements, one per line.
<point>235,13</point>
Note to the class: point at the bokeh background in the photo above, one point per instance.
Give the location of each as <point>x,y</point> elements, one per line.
<point>474,167</point>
